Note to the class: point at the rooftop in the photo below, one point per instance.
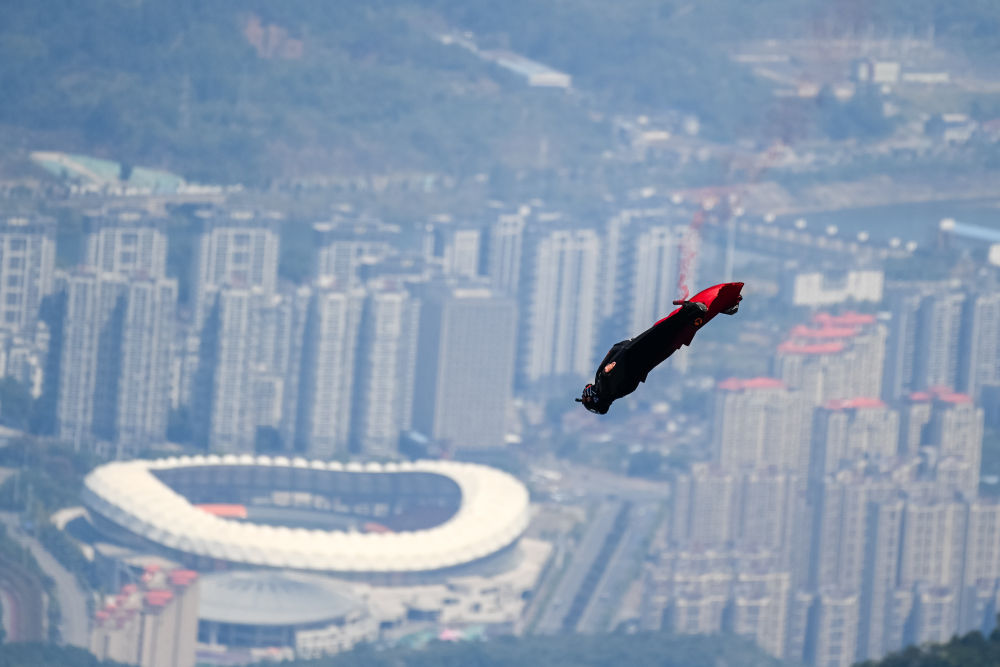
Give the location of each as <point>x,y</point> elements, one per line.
<point>855,403</point>
<point>811,349</point>
<point>739,384</point>
<point>266,597</point>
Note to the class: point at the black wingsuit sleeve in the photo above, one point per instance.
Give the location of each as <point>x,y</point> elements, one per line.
<point>650,348</point>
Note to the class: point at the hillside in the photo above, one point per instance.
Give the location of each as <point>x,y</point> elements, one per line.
<point>250,91</point>
<point>247,91</point>
<point>648,650</point>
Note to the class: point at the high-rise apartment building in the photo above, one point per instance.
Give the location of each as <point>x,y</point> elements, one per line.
<point>465,365</point>
<point>706,508</point>
<point>147,335</point>
<point>387,355</point>
<point>505,248</point>
<point>126,242</point>
<point>344,247</point>
<point>89,360</point>
<point>707,591</point>
<point>833,637</point>
<point>836,357</point>
<point>328,370</point>
<point>980,361</point>
<point>933,542</point>
<point>939,337</point>
<point>559,304</point>
<point>27,266</point>
<point>114,369</point>
<point>222,389</point>
<point>760,423</point>
<point>457,248</point>
<point>926,334</point>
<point>884,526</point>
<point>956,429</point>
<point>846,432</point>
<point>643,258</point>
<point>238,250</point>
<point>150,624</point>
<point>759,606</point>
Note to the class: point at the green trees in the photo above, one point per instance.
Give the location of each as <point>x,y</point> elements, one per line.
<point>971,650</point>
<point>647,649</point>
<point>49,655</point>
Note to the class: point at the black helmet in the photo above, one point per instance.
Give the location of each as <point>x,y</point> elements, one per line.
<point>590,399</point>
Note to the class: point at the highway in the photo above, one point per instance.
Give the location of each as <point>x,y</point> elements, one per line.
<point>620,569</point>
<point>75,628</point>
<point>23,603</point>
<point>582,560</point>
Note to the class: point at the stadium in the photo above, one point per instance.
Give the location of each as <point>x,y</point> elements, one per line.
<point>365,520</point>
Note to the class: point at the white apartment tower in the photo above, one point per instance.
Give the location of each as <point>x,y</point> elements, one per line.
<point>221,396</point>
<point>559,305</point>
<point>956,430</point>
<point>239,251</point>
<point>115,361</point>
<point>465,366</point>
<point>834,357</point>
<point>328,364</point>
<point>939,338</point>
<point>27,266</point>
<point>88,378</point>
<point>343,247</point>
<point>846,432</point>
<point>981,361</point>
<point>760,423</point>
<point>387,351</point>
<point>126,242</point>
<point>833,638</point>
<point>649,272</point>
<point>506,240</point>
<point>144,380</point>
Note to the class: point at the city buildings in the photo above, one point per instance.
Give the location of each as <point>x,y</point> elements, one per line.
<point>151,623</point>
<point>760,423</point>
<point>238,249</point>
<point>387,357</point>
<point>27,265</point>
<point>328,365</point>
<point>126,242</point>
<point>559,303</point>
<point>465,365</point>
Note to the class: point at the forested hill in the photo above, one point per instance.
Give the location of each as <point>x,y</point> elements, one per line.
<point>619,650</point>
<point>971,650</point>
<point>49,655</point>
<point>249,90</point>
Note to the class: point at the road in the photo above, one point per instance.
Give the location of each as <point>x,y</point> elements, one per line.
<point>9,610</point>
<point>575,574</point>
<point>620,570</point>
<point>582,481</point>
<point>75,628</point>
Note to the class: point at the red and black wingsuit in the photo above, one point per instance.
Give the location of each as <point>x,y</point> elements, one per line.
<point>629,362</point>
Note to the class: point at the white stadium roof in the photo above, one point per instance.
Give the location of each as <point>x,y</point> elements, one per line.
<point>493,513</point>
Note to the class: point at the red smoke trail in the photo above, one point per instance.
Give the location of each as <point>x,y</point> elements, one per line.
<point>688,253</point>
